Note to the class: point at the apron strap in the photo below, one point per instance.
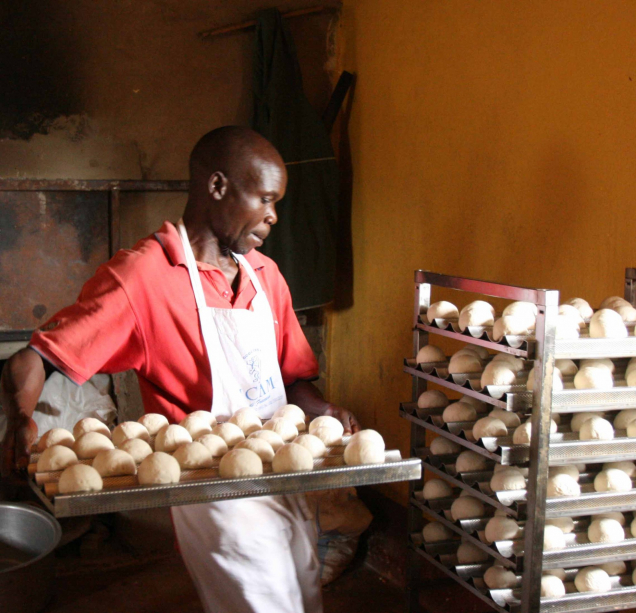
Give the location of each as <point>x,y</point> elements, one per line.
<point>199,296</point>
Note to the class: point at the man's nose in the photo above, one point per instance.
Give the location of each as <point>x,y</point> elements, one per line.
<point>270,217</point>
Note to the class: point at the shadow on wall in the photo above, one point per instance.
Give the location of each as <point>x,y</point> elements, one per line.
<point>37,67</point>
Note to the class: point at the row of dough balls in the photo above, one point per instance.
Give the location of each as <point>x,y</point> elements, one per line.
<point>245,459</point>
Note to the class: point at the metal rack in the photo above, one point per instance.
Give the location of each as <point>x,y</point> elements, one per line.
<point>529,507</point>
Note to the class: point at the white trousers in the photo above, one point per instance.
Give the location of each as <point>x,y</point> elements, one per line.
<point>254,555</point>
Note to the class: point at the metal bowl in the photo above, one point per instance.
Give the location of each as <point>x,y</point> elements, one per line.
<point>28,537</point>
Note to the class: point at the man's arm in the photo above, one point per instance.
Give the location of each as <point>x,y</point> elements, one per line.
<point>308,397</point>
<point>21,384</point>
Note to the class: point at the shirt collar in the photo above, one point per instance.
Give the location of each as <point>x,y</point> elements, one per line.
<point>168,237</point>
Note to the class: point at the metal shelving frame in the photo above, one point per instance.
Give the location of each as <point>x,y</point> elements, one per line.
<point>532,506</point>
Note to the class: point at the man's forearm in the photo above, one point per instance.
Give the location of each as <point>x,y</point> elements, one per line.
<point>308,397</point>
<point>21,384</point>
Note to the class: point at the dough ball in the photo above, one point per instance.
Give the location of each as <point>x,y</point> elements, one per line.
<point>326,421</point>
<point>617,515</point>
<point>54,458</point>
<point>477,350</point>
<point>516,364</point>
<point>623,418</point>
<point>513,325</point>
<point>240,463</point>
<point>193,455</point>
<point>468,461</point>
<point>153,422</point>
<point>573,313</point>
<point>259,446</point>
<point>230,433</point>
<point>583,307</point>
<point>612,302</point>
<point>129,430</point>
<point>459,411</point>
<point>368,435</point>
<point>627,313</point>
<point>114,463</point>
<point>632,528</point>
<point>510,419</point>
<point>520,307</point>
<point>467,553</point>
<point>605,531</point>
<point>138,449</point>
<point>566,469</point>
<point>565,524</point>
<point>90,444</point>
<point>328,436</point>
<point>502,528</point>
<point>159,468</point>
<point>613,569</point>
<point>567,367</point>
<point>313,444</point>
<point>291,458</point>
<point>612,480</point>
<point>364,451</point>
<point>479,304</point>
<point>295,414</point>
<point>247,419</point>
<point>556,572</point>
<point>467,362</point>
<point>467,507</point>
<point>630,378</point>
<point>215,444</point>
<point>498,373</point>
<point>441,310</point>
<point>562,485</point>
<point>557,380</point>
<point>592,579</point>
<point>430,353</point>
<point>489,426</point>
<point>432,399</point>
<point>442,446</point>
<point>56,436</point>
<point>196,426</point>
<point>522,434</point>
<point>593,378</point>
<point>498,577</point>
<point>595,429</point>
<point>205,415</point>
<point>566,328</point>
<point>505,480</point>
<point>79,478</point>
<point>552,587</point>
<point>271,437</point>
<point>599,363</point>
<point>607,324</point>
<point>627,466</point>
<point>90,424</point>
<point>435,532</point>
<point>170,437</point>
<point>553,539</point>
<point>578,419</point>
<point>436,488</point>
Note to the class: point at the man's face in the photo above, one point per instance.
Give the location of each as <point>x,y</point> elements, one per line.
<point>243,218</point>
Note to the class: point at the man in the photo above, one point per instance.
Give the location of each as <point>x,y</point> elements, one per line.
<point>207,323</point>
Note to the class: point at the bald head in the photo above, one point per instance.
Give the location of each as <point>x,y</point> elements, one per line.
<point>236,179</point>
<point>237,152</point>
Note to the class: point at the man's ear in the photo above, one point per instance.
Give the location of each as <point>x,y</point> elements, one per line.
<point>217,185</point>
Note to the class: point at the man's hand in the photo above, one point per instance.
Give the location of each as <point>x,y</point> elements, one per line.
<point>348,419</point>
<point>21,434</point>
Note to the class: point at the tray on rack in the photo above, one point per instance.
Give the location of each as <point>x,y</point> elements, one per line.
<point>331,476</point>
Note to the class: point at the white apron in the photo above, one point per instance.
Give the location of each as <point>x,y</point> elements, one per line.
<point>255,555</point>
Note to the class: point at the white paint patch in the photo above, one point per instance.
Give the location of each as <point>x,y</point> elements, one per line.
<point>42,201</point>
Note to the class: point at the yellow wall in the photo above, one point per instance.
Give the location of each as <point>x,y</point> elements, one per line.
<point>489,139</point>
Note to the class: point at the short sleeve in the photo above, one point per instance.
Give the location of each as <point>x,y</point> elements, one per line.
<point>97,334</point>
<point>296,358</point>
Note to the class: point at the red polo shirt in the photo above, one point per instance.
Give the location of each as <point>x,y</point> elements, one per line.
<point>138,312</point>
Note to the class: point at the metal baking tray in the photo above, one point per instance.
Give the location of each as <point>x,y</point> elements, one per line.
<point>521,346</point>
<point>215,489</point>
<point>586,347</point>
<point>573,400</point>
<point>588,503</point>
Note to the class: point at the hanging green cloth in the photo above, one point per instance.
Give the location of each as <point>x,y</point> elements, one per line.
<point>303,242</point>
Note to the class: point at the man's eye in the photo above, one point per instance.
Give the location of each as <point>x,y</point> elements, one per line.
<point>266,200</point>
